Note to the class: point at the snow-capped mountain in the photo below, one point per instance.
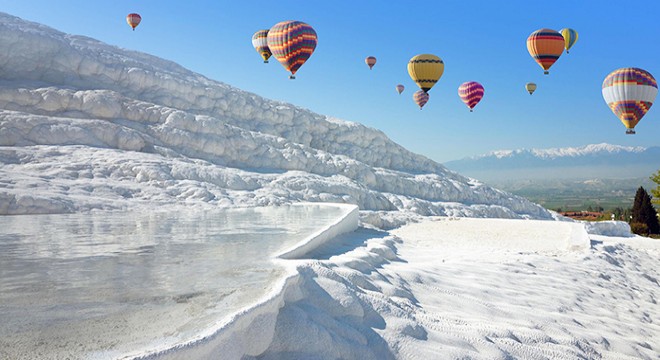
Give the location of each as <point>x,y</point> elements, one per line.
<point>590,161</point>
<point>85,125</point>
<point>568,152</point>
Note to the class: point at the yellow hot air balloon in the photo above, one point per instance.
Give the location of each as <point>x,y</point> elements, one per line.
<point>530,87</point>
<point>425,70</point>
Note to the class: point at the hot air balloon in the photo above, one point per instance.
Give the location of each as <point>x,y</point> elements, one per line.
<point>570,38</point>
<point>260,43</point>
<point>399,88</point>
<point>133,20</point>
<point>371,61</point>
<point>421,97</point>
<point>630,92</point>
<point>292,43</point>
<point>471,93</point>
<point>545,46</point>
<point>425,70</point>
<point>531,87</point>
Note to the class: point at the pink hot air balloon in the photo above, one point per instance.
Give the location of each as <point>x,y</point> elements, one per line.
<point>399,88</point>
<point>421,97</point>
<point>471,93</point>
<point>371,61</point>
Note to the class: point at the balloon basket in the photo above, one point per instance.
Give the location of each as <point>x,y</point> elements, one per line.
<point>546,72</point>
<point>630,132</point>
<point>265,61</point>
<point>291,77</point>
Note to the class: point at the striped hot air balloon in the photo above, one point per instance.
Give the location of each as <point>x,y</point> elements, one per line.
<point>133,20</point>
<point>630,92</point>
<point>530,87</point>
<point>545,46</point>
<point>570,37</point>
<point>371,61</point>
<point>471,93</point>
<point>426,70</point>
<point>400,88</point>
<point>260,43</point>
<point>292,43</point>
<point>421,97</point>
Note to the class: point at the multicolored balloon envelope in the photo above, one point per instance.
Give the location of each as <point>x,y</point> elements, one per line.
<point>421,97</point>
<point>530,87</point>
<point>545,46</point>
<point>260,43</point>
<point>400,88</point>
<point>630,92</point>
<point>425,70</point>
<point>133,20</point>
<point>371,61</point>
<point>292,43</point>
<point>570,37</point>
<point>471,93</point>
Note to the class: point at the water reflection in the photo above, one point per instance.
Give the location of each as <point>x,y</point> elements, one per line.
<point>113,282</point>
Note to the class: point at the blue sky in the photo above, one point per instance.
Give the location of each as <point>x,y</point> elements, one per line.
<point>482,41</point>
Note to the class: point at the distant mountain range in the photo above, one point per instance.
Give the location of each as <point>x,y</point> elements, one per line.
<point>596,161</point>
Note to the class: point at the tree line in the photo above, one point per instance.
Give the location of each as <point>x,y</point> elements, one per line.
<point>644,217</point>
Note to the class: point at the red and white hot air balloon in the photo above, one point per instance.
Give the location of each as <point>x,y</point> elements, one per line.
<point>133,20</point>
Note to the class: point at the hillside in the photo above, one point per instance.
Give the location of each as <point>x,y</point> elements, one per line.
<point>85,125</point>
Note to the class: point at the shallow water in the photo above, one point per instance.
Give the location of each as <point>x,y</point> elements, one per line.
<point>104,285</point>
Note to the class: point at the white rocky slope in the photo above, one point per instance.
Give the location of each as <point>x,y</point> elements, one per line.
<point>85,125</point>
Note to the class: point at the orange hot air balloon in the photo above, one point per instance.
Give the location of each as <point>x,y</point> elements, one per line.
<point>371,61</point>
<point>133,20</point>
<point>292,43</point>
<point>545,46</point>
